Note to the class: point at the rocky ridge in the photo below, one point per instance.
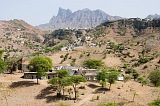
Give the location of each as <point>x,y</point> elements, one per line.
<point>80,19</point>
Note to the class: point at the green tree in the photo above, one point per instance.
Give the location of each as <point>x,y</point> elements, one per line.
<point>60,83</point>
<point>144,82</point>
<point>93,63</point>
<point>63,79</point>
<point>2,63</point>
<point>135,75</point>
<point>76,80</point>
<point>62,73</point>
<point>9,65</point>
<point>40,64</point>
<point>155,103</point>
<point>154,77</point>
<point>101,77</point>
<point>111,77</point>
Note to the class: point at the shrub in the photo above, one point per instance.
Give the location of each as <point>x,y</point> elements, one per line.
<point>97,97</point>
<point>108,104</point>
<point>145,67</point>
<point>135,75</point>
<point>70,57</point>
<point>81,56</point>
<point>72,63</point>
<point>62,104</point>
<point>155,102</point>
<point>61,56</point>
<point>127,78</point>
<point>154,77</point>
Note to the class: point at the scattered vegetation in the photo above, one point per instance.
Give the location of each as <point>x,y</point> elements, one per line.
<point>93,63</point>
<point>154,77</point>
<point>155,102</point>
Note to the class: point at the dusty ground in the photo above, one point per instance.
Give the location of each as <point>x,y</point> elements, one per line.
<point>15,91</point>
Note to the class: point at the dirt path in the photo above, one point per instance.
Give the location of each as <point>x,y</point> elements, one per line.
<point>86,99</point>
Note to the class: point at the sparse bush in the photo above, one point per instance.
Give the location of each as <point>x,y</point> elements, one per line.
<point>74,60</point>
<point>61,56</point>
<point>154,77</point>
<point>72,63</point>
<point>155,103</point>
<point>82,87</point>
<point>97,97</point>
<point>145,67</point>
<point>81,56</point>
<point>88,54</point>
<point>135,75</point>
<point>62,104</point>
<point>127,78</point>
<point>70,57</point>
<point>108,104</point>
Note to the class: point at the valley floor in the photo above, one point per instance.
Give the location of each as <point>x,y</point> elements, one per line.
<point>16,91</point>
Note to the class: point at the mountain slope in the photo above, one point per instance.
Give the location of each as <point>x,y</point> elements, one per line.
<point>79,19</point>
<point>156,16</point>
<point>19,38</point>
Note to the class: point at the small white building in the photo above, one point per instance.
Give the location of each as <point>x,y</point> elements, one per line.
<point>120,77</point>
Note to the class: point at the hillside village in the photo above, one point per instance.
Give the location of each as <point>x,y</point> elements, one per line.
<point>128,50</point>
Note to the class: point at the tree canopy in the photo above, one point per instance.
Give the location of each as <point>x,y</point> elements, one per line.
<point>93,63</point>
<point>40,64</point>
<point>63,79</point>
<point>154,77</point>
<point>76,80</point>
<point>2,63</point>
<point>110,76</point>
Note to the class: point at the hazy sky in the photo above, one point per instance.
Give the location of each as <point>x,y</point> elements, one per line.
<point>37,12</point>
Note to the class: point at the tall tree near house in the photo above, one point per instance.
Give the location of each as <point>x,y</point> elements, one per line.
<point>76,80</point>
<point>40,64</point>
<point>66,81</point>
<point>101,77</point>
<point>64,78</point>
<point>111,77</point>
<point>62,73</point>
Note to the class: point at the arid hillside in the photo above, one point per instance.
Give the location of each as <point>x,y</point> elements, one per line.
<point>133,42</point>
<point>19,38</point>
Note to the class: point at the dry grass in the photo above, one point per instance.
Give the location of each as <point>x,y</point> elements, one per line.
<point>24,92</point>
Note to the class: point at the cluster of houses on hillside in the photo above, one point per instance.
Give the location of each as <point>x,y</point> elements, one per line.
<point>79,42</point>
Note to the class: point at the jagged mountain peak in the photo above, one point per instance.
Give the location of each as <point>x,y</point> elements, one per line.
<point>86,9</point>
<point>64,12</point>
<point>84,18</point>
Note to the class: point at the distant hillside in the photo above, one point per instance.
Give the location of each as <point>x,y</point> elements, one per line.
<point>134,42</point>
<point>19,38</point>
<point>156,16</point>
<point>79,19</point>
